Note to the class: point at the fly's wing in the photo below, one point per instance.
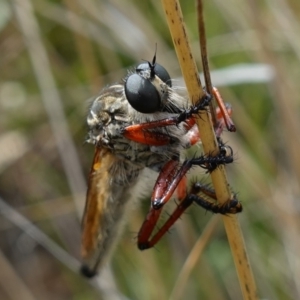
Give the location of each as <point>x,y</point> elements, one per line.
<point>96,222</point>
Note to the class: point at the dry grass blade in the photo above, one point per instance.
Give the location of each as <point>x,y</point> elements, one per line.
<point>9,275</point>
<point>85,48</point>
<point>105,284</point>
<point>51,98</point>
<point>219,180</point>
<point>40,237</point>
<point>192,259</point>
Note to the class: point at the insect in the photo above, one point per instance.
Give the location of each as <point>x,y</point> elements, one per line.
<point>140,123</point>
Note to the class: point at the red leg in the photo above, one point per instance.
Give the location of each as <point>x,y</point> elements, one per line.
<point>225,113</point>
<point>173,173</point>
<point>147,228</point>
<point>137,134</point>
<point>170,177</point>
<point>168,180</point>
<point>181,191</point>
<point>192,131</point>
<point>231,206</point>
<point>140,132</point>
<point>144,240</point>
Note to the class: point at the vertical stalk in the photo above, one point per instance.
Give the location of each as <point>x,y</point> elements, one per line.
<point>219,179</point>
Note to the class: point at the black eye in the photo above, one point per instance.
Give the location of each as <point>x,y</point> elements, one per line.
<point>159,71</point>
<point>163,74</point>
<point>142,94</point>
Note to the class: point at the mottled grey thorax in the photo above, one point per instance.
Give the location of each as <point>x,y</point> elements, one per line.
<point>109,114</point>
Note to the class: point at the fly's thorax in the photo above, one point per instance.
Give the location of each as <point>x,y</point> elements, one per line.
<point>108,114</point>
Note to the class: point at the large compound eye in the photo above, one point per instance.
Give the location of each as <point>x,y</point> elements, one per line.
<point>159,71</point>
<point>142,94</point>
<point>163,74</point>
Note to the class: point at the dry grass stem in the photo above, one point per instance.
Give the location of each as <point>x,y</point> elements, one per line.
<point>51,98</point>
<point>219,180</point>
<point>194,255</point>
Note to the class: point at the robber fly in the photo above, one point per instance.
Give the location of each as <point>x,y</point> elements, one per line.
<point>140,123</point>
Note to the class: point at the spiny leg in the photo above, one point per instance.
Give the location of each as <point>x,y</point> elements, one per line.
<point>140,132</point>
<point>162,192</point>
<point>168,180</point>
<point>232,206</point>
<point>210,163</point>
<point>173,173</point>
<point>146,243</point>
<point>225,111</point>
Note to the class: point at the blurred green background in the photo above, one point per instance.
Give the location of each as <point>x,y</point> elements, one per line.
<point>54,56</point>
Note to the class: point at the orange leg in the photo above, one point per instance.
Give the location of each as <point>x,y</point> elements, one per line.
<point>140,132</point>
<point>170,177</point>
<point>225,112</point>
<point>232,206</point>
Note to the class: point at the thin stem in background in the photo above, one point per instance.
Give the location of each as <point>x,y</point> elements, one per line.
<point>12,283</point>
<point>204,59</point>
<point>105,284</point>
<point>51,100</point>
<point>191,261</point>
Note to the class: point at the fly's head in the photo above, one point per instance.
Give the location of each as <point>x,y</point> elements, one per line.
<point>144,95</point>
<point>148,89</point>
